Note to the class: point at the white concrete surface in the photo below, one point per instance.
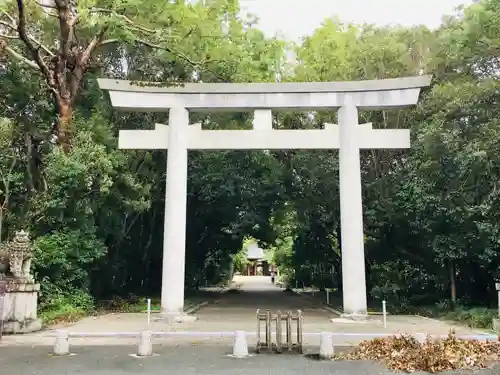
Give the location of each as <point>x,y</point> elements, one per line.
<point>375,94</point>
<point>262,138</point>
<point>255,284</point>
<point>326,350</point>
<point>145,346</point>
<point>61,344</point>
<point>240,345</point>
<point>174,238</point>
<point>351,214</point>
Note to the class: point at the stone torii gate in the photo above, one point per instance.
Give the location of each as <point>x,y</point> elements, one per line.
<point>349,136</point>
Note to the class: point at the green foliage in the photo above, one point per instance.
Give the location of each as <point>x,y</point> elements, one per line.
<point>11,179</point>
<point>475,318</point>
<point>240,261</point>
<point>65,257</point>
<point>63,302</point>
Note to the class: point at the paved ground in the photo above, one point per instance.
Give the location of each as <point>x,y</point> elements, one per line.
<point>236,310</point>
<point>199,360</point>
<point>30,354</point>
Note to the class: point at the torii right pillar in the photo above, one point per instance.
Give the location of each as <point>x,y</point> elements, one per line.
<point>351,203</point>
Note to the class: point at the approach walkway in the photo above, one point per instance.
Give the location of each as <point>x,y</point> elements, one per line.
<point>236,311</point>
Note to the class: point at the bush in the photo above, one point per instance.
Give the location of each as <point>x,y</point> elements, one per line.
<point>62,261</point>
<point>474,318</point>
<point>57,306</point>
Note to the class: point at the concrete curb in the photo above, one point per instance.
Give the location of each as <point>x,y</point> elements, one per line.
<point>339,313</point>
<point>197,306</point>
<point>316,302</point>
<point>331,309</point>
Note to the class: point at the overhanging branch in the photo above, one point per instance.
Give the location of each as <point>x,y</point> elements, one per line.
<point>12,20</point>
<point>17,55</point>
<point>83,62</point>
<point>13,27</point>
<point>13,37</point>
<point>197,64</point>
<point>158,47</point>
<point>147,31</point>
<point>23,35</point>
<point>123,17</point>
<point>67,20</point>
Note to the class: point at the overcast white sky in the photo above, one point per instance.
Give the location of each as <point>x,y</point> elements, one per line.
<point>296,18</point>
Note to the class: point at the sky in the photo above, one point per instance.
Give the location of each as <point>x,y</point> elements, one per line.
<point>304,16</point>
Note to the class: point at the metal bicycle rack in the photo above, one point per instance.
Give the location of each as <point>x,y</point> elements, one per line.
<point>277,319</point>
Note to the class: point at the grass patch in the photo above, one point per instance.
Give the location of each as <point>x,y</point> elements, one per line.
<point>472,317</point>
<point>127,305</point>
<point>477,317</point>
<point>120,305</point>
<point>63,314</point>
<point>68,313</point>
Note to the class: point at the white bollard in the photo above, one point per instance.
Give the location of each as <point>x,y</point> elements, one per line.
<point>149,312</point>
<point>327,296</point>
<point>326,350</point>
<point>145,347</point>
<point>61,345</point>
<point>384,312</point>
<point>240,345</point>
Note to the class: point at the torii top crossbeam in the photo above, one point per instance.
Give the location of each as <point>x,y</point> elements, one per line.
<point>375,94</point>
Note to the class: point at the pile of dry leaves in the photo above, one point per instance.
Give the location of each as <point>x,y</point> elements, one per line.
<point>404,353</point>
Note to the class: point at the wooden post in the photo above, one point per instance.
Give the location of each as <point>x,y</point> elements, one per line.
<point>279,337</point>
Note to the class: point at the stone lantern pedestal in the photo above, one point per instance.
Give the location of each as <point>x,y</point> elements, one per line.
<point>18,309</point>
<point>18,291</point>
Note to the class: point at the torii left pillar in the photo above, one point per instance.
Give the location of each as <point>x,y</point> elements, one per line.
<point>351,214</point>
<point>174,238</point>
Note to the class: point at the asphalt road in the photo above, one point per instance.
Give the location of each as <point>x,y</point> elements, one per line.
<point>182,360</point>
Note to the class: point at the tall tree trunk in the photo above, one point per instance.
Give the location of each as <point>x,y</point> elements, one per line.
<point>63,129</point>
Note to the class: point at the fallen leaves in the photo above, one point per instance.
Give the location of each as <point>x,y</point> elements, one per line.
<point>405,353</point>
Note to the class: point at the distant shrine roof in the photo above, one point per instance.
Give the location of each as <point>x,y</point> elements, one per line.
<point>254,252</point>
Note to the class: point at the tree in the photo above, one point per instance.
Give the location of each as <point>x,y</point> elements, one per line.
<point>61,40</point>
<point>10,177</point>
<point>96,213</point>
